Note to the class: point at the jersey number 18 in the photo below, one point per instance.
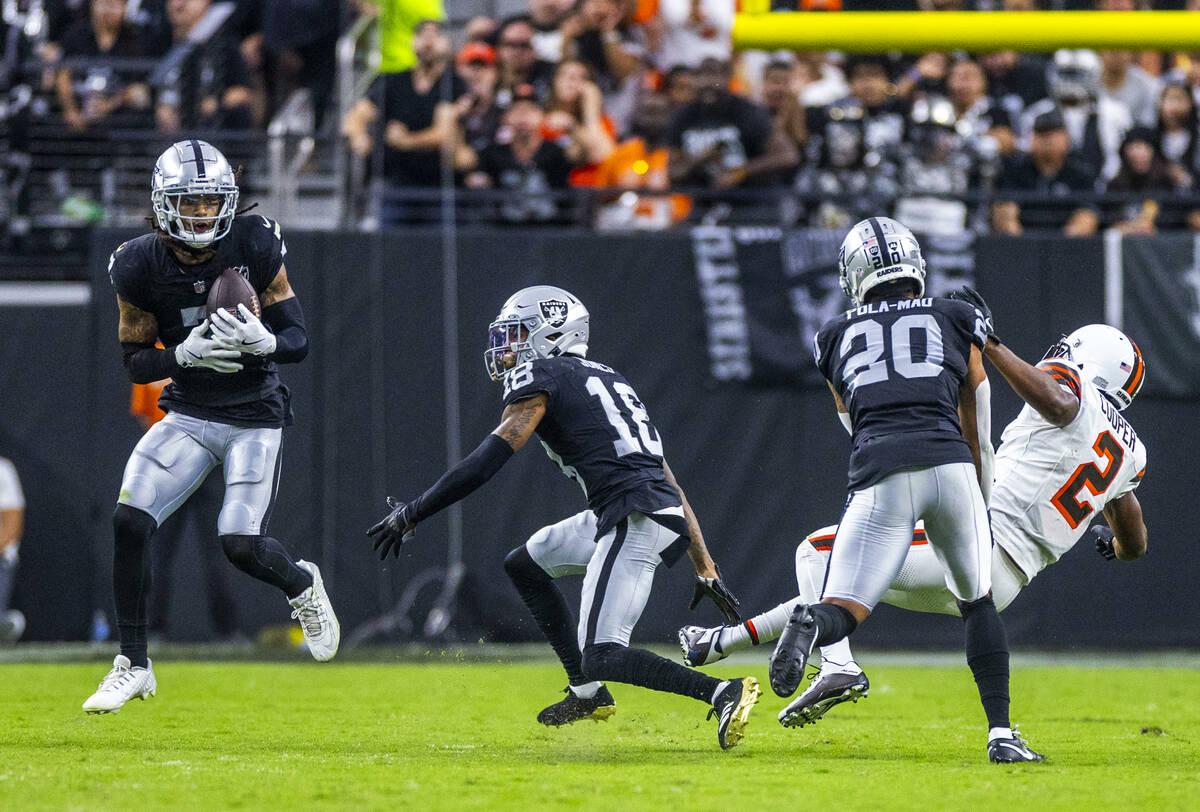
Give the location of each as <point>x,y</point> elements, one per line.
<point>627,416</point>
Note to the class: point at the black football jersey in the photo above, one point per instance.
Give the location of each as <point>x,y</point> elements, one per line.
<point>146,275</point>
<point>597,431</point>
<point>898,365</point>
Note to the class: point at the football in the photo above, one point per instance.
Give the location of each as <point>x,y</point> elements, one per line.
<point>231,289</point>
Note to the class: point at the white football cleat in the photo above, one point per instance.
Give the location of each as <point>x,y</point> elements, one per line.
<point>120,685</point>
<point>315,613</point>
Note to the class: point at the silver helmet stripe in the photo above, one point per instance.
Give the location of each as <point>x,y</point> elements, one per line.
<point>878,229</point>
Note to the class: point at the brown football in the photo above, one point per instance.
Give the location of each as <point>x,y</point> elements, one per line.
<point>231,289</point>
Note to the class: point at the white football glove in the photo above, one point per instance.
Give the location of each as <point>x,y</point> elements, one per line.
<point>249,336</point>
<point>197,350</point>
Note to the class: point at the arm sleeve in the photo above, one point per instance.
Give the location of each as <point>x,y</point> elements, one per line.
<point>146,363</point>
<point>983,425</point>
<point>464,478</point>
<point>286,320</point>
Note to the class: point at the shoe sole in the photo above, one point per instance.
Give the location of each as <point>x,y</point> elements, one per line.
<point>600,714</point>
<point>741,714</point>
<point>786,676</point>
<point>687,659</point>
<point>811,713</point>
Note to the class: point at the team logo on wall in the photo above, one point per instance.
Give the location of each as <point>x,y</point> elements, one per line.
<point>554,311</point>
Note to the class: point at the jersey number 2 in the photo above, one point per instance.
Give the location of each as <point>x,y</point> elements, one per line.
<point>1091,477</point>
<point>869,365</point>
<point>634,414</point>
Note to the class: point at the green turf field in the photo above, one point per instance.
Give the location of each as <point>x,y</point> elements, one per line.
<point>447,735</point>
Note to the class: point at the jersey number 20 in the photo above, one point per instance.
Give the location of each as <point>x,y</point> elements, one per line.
<point>625,419</point>
<point>869,364</point>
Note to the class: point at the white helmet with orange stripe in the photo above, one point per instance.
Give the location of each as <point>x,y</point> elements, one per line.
<point>1109,359</point>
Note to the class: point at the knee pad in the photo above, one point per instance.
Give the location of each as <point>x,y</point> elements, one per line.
<point>598,661</point>
<point>966,608</point>
<point>522,569</point>
<point>239,549</point>
<point>132,526</point>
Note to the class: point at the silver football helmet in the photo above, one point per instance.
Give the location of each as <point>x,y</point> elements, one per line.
<point>193,168</point>
<point>1073,76</point>
<point>537,322</point>
<point>876,251</point>
<point>1109,359</point>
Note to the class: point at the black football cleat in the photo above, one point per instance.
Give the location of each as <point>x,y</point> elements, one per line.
<point>826,691</point>
<point>732,710</point>
<point>1011,751</point>
<point>573,708</point>
<point>792,651</point>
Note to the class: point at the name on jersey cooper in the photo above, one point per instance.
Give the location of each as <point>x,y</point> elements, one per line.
<point>884,307</point>
<point>1120,424</point>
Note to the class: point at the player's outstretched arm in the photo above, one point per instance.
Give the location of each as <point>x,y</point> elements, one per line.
<point>697,551</point>
<point>516,427</point>
<point>975,420</point>
<point>708,575</point>
<point>1124,516</point>
<point>1036,387</point>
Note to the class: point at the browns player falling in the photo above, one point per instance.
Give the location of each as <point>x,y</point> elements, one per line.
<point>225,405</point>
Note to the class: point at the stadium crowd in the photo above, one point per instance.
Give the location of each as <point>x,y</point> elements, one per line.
<point>647,99</point>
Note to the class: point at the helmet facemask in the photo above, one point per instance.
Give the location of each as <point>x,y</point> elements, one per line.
<point>508,346</point>
<point>193,169</point>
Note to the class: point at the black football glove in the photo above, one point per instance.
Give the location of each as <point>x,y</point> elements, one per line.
<point>971,296</point>
<point>715,588</point>
<point>1104,541</point>
<point>393,530</point>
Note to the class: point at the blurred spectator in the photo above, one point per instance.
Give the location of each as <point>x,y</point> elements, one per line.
<point>1178,129</point>
<point>575,118</point>
<point>547,18</point>
<point>478,113</point>
<point>518,62</point>
<point>1143,172</point>
<point>398,22</point>
<point>1015,80</point>
<point>780,99</point>
<point>977,117</point>
<point>419,113</point>
<point>12,525</point>
<point>721,140</point>
<point>927,77</point>
<point>90,95</point>
<point>853,149</point>
<point>821,81</point>
<point>640,162</point>
<point>1125,82</point>
<point>525,165</point>
<point>679,83</point>
<point>615,50</point>
<point>212,91</point>
<point>693,31</point>
<point>938,167</point>
<point>299,38</point>
<point>1096,123</point>
<point>597,37</point>
<point>479,29</point>
<point>1049,168</point>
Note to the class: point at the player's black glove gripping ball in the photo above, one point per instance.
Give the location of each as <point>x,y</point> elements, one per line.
<point>395,529</point>
<point>715,588</point>
<point>1104,541</point>
<point>972,297</point>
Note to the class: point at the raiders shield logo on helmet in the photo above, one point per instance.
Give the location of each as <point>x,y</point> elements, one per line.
<point>554,311</point>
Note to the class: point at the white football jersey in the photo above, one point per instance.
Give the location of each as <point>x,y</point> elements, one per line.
<point>1051,482</point>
